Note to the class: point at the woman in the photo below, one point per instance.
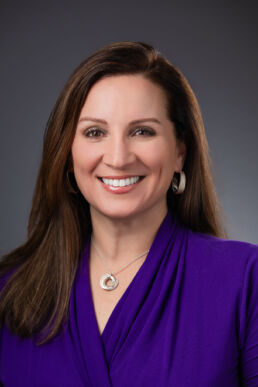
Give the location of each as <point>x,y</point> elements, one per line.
<point>123,280</point>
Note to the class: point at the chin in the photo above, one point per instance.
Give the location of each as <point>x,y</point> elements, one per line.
<point>118,213</point>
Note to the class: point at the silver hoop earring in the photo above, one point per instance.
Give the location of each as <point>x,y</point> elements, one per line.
<point>178,183</point>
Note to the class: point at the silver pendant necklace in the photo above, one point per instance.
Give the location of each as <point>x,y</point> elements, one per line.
<point>109,281</point>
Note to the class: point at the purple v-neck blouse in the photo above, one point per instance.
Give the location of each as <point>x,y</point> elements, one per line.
<point>189,318</point>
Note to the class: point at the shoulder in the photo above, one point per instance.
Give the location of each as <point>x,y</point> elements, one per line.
<point>4,277</point>
<point>228,261</point>
<point>223,248</point>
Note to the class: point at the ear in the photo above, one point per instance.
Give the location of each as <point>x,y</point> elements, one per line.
<point>181,156</point>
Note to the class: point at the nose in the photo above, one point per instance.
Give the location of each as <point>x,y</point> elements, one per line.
<point>118,153</point>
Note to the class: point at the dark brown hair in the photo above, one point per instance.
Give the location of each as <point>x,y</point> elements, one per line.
<point>35,299</point>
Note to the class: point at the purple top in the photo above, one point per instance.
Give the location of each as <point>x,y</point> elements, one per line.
<point>189,318</point>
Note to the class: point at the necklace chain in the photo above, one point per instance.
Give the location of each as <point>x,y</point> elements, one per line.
<point>123,268</point>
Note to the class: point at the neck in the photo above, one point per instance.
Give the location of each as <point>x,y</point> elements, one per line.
<point>120,240</point>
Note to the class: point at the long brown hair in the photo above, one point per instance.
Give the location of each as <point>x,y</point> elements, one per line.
<point>35,299</point>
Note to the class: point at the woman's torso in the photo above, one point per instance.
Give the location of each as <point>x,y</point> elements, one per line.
<point>182,321</point>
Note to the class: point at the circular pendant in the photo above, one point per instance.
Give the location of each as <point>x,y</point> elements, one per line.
<point>105,282</point>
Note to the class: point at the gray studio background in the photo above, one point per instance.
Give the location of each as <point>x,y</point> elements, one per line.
<point>214,43</point>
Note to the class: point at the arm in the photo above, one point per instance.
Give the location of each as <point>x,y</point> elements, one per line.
<point>249,323</point>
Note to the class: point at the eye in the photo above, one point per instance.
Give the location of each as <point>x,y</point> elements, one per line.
<point>143,131</point>
<point>94,132</point>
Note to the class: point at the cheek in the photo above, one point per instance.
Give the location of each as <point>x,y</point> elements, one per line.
<point>82,158</point>
<point>159,157</point>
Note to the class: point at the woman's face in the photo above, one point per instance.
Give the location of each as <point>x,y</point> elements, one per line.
<point>125,151</point>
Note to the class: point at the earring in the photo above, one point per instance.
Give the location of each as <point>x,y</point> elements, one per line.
<point>178,182</point>
<point>69,183</point>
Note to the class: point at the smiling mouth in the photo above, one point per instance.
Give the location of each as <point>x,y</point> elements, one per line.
<point>121,182</point>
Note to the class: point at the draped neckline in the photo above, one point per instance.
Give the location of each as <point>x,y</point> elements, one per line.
<point>166,223</point>
<point>100,349</point>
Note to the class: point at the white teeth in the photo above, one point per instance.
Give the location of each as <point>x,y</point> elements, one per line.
<point>121,182</point>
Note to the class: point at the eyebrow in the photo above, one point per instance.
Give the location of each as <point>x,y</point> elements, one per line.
<point>134,122</point>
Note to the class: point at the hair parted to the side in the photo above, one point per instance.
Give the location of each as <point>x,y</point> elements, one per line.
<point>35,299</point>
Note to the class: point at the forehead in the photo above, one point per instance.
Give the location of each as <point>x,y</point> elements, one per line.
<point>127,96</point>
